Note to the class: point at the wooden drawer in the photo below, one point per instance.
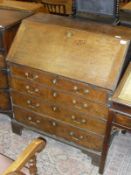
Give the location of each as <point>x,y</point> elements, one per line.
<point>41,106</point>
<point>2,61</point>
<point>59,129</point>
<point>3,79</point>
<point>4,101</point>
<point>55,96</point>
<point>123,120</point>
<point>78,119</point>
<point>78,88</point>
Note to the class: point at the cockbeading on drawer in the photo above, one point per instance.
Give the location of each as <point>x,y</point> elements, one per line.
<point>78,88</point>
<point>59,129</point>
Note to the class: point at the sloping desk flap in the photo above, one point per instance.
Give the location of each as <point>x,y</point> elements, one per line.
<point>89,57</point>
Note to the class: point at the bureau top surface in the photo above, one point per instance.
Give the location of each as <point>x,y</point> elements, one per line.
<point>93,58</point>
<point>83,24</point>
<point>20,5</point>
<point>10,17</point>
<point>123,92</point>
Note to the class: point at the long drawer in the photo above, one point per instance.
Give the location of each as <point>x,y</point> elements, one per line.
<point>3,79</point>
<point>42,106</point>
<point>59,129</point>
<point>123,120</point>
<point>55,96</point>
<point>4,100</point>
<point>51,80</point>
<point>78,119</point>
<point>2,62</point>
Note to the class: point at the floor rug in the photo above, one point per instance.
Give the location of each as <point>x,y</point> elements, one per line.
<point>61,159</point>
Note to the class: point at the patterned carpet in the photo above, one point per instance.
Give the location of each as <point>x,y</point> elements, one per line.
<point>61,159</point>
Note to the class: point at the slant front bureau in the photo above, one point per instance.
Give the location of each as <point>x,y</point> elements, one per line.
<point>61,79</point>
<point>9,23</point>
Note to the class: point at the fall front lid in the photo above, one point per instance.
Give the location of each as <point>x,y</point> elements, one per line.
<point>89,57</point>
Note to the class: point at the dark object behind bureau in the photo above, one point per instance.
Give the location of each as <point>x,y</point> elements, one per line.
<point>98,8</point>
<point>9,23</point>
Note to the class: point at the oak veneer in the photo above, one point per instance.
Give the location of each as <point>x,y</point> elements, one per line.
<point>57,79</point>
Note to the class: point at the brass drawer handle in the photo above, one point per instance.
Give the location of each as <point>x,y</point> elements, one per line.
<point>75,88</point>
<point>31,77</point>
<point>54,81</point>
<point>29,118</point>
<point>31,91</point>
<point>37,121</point>
<point>85,105</point>
<point>54,108</point>
<point>74,119</point>
<point>86,91</point>
<point>30,104</point>
<point>72,134</point>
<point>54,94</point>
<point>34,123</point>
<point>74,102</point>
<point>53,123</point>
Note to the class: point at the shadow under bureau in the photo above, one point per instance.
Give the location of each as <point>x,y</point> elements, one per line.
<point>61,80</point>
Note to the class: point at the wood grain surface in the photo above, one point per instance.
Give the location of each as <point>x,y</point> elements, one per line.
<point>9,17</point>
<point>18,5</point>
<point>122,94</point>
<point>70,52</point>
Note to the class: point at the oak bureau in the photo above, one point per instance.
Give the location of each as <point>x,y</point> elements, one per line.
<point>61,80</point>
<point>9,23</point>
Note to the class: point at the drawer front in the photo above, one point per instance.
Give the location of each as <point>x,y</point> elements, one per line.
<point>58,82</point>
<point>78,119</point>
<point>2,62</point>
<point>120,107</point>
<point>41,106</point>
<point>4,101</point>
<point>3,79</point>
<point>59,129</point>
<point>55,96</point>
<point>123,120</point>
